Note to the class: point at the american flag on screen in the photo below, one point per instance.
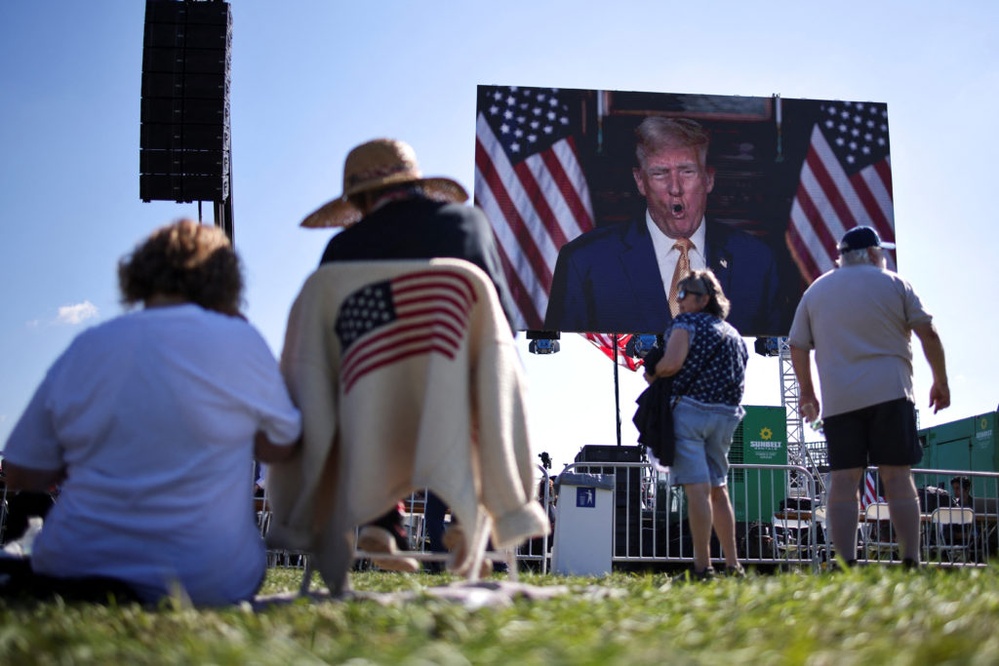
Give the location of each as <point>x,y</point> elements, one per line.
<point>845,182</point>
<point>529,181</point>
<point>424,312</point>
<point>870,495</point>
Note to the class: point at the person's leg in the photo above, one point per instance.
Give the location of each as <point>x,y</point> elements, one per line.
<point>690,470</point>
<point>700,519</point>
<point>903,508</point>
<point>723,521</point>
<point>21,507</point>
<point>387,534</point>
<point>717,442</point>
<point>433,514</point>
<point>847,437</point>
<point>895,449</point>
<point>843,514</point>
<point>392,521</point>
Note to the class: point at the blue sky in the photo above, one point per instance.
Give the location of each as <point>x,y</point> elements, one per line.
<point>313,78</point>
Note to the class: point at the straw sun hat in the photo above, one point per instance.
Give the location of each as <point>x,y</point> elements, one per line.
<point>374,165</point>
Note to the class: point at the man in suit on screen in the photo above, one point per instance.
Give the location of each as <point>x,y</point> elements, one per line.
<point>618,278</point>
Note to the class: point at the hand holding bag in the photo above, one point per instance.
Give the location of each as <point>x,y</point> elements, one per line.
<point>654,420</point>
<point>654,416</point>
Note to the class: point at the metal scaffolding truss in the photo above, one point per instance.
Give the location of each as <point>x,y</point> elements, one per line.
<point>798,452</point>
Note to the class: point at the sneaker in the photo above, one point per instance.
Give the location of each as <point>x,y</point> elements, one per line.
<point>734,572</point>
<point>691,576</point>
<point>833,565</point>
<point>372,539</point>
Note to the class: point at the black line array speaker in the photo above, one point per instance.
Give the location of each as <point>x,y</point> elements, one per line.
<point>184,143</point>
<point>627,490</point>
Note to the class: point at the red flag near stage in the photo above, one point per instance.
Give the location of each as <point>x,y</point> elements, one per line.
<point>605,343</point>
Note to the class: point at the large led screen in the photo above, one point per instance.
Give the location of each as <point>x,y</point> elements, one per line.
<point>582,227</point>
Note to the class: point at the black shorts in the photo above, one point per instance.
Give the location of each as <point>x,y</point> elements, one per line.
<point>882,434</point>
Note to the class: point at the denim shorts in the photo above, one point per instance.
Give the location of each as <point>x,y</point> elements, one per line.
<point>703,438</point>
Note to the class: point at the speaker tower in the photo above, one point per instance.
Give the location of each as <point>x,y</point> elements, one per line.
<point>184,146</point>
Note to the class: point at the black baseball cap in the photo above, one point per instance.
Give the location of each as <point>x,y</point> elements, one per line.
<point>859,238</point>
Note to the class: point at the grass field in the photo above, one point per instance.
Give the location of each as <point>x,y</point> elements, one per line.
<point>872,615</point>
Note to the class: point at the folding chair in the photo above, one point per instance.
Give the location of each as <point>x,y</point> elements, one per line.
<point>954,530</point>
<point>792,538</point>
<point>407,378</point>
<point>878,534</point>
<point>822,542</point>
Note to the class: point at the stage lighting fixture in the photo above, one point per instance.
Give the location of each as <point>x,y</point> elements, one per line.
<point>640,344</point>
<point>543,347</point>
<point>767,347</point>
<point>543,342</point>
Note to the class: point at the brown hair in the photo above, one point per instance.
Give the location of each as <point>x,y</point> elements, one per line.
<point>192,261</point>
<point>705,283</point>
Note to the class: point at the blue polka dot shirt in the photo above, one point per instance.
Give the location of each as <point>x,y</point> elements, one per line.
<point>707,375</point>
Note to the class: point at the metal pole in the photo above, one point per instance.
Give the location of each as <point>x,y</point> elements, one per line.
<point>617,391</point>
<point>797,448</point>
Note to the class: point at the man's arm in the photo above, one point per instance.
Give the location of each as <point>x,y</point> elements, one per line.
<point>808,404</point>
<point>934,352</point>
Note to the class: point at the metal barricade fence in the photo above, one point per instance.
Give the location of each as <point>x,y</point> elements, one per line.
<point>534,552</point>
<point>952,532</point>
<point>780,519</point>
<point>774,528</point>
<point>537,552</point>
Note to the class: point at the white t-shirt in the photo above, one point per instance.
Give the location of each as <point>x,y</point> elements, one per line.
<point>153,415</point>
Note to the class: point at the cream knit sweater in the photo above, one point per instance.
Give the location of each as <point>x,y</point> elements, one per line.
<point>405,406</point>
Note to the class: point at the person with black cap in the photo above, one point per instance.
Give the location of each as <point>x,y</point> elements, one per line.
<point>859,318</point>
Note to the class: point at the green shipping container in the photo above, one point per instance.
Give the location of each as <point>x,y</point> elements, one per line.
<point>761,439</point>
<point>968,444</point>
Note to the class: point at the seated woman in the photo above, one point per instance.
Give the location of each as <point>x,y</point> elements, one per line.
<point>150,423</point>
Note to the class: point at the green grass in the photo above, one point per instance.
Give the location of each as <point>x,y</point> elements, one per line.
<point>873,615</point>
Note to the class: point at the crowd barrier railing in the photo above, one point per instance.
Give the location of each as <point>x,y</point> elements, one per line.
<point>781,520</point>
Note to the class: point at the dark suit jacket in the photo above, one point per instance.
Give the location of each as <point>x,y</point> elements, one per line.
<point>424,229</point>
<point>608,280</point>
